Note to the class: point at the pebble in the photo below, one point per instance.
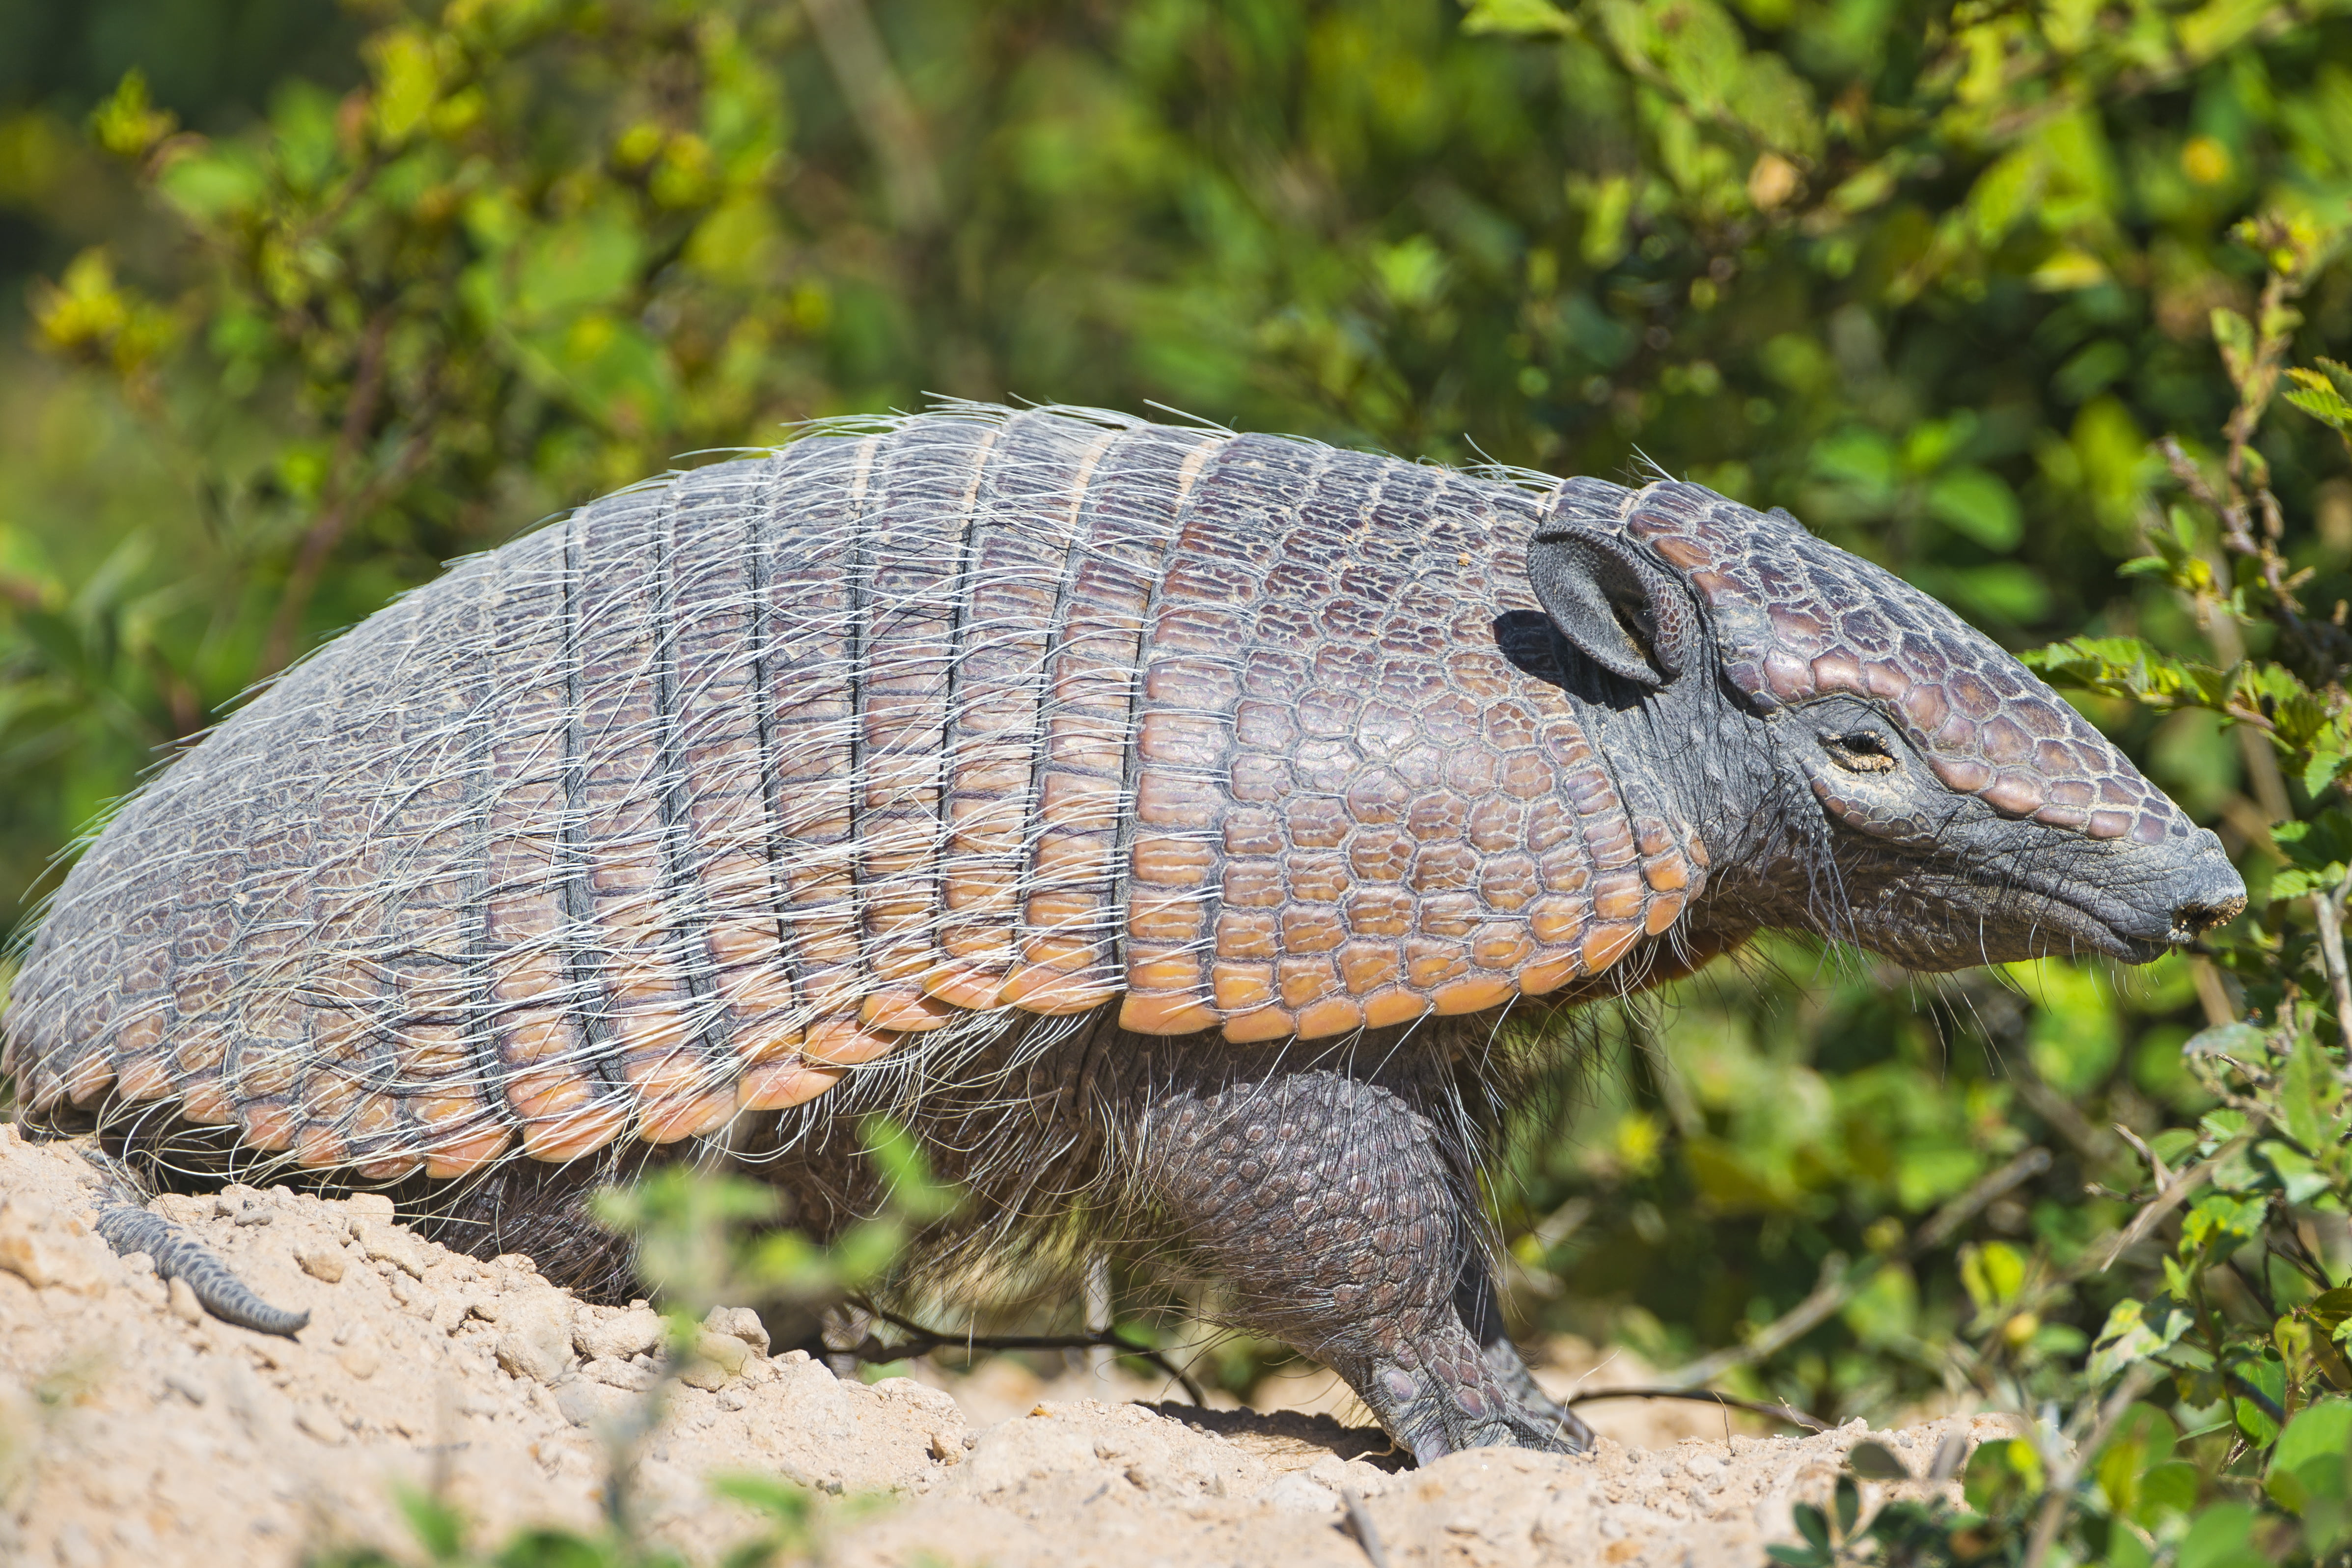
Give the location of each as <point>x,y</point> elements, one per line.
<point>46,1248</point>
<point>383,1242</point>
<point>1294,1493</point>
<point>183,1303</point>
<point>321,1260</point>
<point>618,1336</point>
<point>625,1374</point>
<point>535,1336</point>
<point>739,1322</point>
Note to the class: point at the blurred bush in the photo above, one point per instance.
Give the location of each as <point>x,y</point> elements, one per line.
<point>1930,275</point>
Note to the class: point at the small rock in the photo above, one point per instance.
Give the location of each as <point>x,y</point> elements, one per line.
<point>730,1354</point>
<point>618,1336</point>
<point>535,1336</point>
<point>185,1387</point>
<point>361,1358</point>
<point>184,1305</point>
<point>48,1249</point>
<point>368,1205</point>
<point>622,1375</point>
<point>946,1450</point>
<point>734,1396</point>
<point>707,1375</point>
<point>586,1403</point>
<point>253,1214</point>
<point>319,1424</point>
<point>321,1260</point>
<point>384,1242</point>
<point>739,1322</point>
<point>1294,1494</point>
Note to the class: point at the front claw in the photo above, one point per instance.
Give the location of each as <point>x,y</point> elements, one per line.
<point>1442,1405</point>
<point>1503,1361</point>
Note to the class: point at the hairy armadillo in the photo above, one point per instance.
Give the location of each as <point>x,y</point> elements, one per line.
<point>1163,822</point>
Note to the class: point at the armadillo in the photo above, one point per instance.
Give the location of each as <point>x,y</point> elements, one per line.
<point>1187,831</point>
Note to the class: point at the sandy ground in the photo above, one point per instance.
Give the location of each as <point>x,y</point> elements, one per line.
<point>136,1430</point>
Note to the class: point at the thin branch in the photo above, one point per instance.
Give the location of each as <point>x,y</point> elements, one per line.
<point>1840,1286</point>
<point>885,114</point>
<point>2180,1187</point>
<point>327,529</point>
<point>1793,1415</point>
<point>2328,909</point>
<point>2069,1468</point>
<point>921,1341</point>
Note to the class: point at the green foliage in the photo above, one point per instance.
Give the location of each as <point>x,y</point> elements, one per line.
<point>1930,275</point>
<point>703,1239</point>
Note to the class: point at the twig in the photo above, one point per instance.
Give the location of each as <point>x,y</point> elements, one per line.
<point>2328,908</point>
<point>922,1341</point>
<point>2179,1188</point>
<point>1793,1416</point>
<point>1840,1286</point>
<point>885,114</point>
<point>2069,1468</point>
<point>343,499</point>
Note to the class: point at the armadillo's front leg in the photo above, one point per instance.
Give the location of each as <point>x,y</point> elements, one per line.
<point>1327,1205</point>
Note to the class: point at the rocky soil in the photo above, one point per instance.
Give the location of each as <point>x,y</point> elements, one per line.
<point>136,1430</point>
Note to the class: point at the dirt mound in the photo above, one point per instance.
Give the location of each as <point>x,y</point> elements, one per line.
<point>134,1429</point>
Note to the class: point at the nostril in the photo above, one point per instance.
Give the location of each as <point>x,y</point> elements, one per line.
<point>2195,917</point>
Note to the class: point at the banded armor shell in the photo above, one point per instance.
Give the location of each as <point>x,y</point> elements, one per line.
<point>726,785</point>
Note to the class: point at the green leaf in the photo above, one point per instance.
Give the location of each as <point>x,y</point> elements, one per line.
<point>2235,336</point>
<point>1876,1462</point>
<point>1848,1497</point>
<point>2320,397</point>
<point>2221,1537</point>
<point>2307,1098</point>
<point>2129,1337</point>
<point>2316,1448</point>
<point>1516,17</point>
<point>2167,1489</point>
<point>1993,1273</point>
<point>2300,1179</point>
<point>2242,1041</point>
<point>409,79</point>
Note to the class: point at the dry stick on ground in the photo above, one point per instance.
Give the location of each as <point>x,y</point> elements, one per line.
<point>922,1341</point>
<point>1793,1415</point>
<point>1358,1522</point>
<point>1833,1292</point>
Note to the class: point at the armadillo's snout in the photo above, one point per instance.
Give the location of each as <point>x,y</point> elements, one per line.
<point>2208,892</point>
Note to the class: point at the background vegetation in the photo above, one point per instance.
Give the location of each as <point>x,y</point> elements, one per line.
<point>309,301</point>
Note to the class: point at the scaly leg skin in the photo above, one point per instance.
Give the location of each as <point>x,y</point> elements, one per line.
<point>1474,1297</point>
<point>1328,1205</point>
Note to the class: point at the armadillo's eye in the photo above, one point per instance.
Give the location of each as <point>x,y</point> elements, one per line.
<point>1862,751</point>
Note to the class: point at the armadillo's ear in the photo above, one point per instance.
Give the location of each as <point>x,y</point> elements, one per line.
<point>1617,609</point>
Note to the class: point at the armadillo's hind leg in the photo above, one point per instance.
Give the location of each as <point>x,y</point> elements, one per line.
<point>177,1255</point>
<point>1327,1203</point>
